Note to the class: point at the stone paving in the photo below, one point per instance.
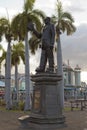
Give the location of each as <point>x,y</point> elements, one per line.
<point>75,120</point>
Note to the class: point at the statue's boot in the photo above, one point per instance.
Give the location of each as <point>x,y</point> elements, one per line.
<point>39,69</point>
<point>50,70</point>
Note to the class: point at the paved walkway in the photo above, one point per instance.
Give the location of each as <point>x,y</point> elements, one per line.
<point>75,120</point>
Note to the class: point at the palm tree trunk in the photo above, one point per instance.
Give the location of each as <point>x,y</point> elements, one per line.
<point>8,78</point>
<point>27,74</point>
<point>60,72</point>
<point>16,81</point>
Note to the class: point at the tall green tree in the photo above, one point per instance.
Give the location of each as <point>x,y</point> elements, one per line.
<point>64,23</point>
<point>20,22</point>
<point>16,56</point>
<point>5,30</point>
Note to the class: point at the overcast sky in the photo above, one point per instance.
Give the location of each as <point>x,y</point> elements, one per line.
<point>74,48</point>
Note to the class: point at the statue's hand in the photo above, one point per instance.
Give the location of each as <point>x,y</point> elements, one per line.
<point>30,26</point>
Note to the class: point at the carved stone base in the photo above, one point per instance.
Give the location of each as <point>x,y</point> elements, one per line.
<point>46,120</point>
<point>45,104</point>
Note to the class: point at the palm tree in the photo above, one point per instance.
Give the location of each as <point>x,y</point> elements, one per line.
<point>64,23</point>
<point>21,32</point>
<point>5,30</point>
<point>16,56</point>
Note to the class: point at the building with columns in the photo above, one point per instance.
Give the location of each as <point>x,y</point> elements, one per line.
<point>72,81</point>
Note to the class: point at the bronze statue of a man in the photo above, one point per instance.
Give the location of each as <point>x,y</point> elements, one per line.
<point>48,39</point>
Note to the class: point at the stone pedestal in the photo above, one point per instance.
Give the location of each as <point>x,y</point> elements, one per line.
<point>45,103</point>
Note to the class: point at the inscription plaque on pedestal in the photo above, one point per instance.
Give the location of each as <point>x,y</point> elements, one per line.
<point>36,100</point>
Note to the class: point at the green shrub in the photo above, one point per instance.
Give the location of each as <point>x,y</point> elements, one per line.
<point>2,102</point>
<point>21,105</point>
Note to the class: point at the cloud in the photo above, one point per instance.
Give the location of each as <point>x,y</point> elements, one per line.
<point>8,13</point>
<point>75,9</point>
<point>75,47</point>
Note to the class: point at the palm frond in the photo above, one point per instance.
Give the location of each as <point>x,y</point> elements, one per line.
<point>63,20</point>
<point>17,53</point>
<point>36,20</point>
<point>39,13</point>
<point>67,26</point>
<point>54,19</point>
<point>1,47</point>
<point>28,5</point>
<point>3,56</point>
<point>59,9</point>
<point>67,16</point>
<point>34,43</point>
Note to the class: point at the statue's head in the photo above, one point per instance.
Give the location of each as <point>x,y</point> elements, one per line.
<point>47,20</point>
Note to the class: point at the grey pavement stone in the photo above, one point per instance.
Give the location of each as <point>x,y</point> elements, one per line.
<point>75,120</point>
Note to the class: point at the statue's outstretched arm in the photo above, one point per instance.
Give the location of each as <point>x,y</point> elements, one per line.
<point>31,27</point>
<point>38,35</point>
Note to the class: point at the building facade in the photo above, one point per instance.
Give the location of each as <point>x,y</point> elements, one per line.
<point>72,81</point>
